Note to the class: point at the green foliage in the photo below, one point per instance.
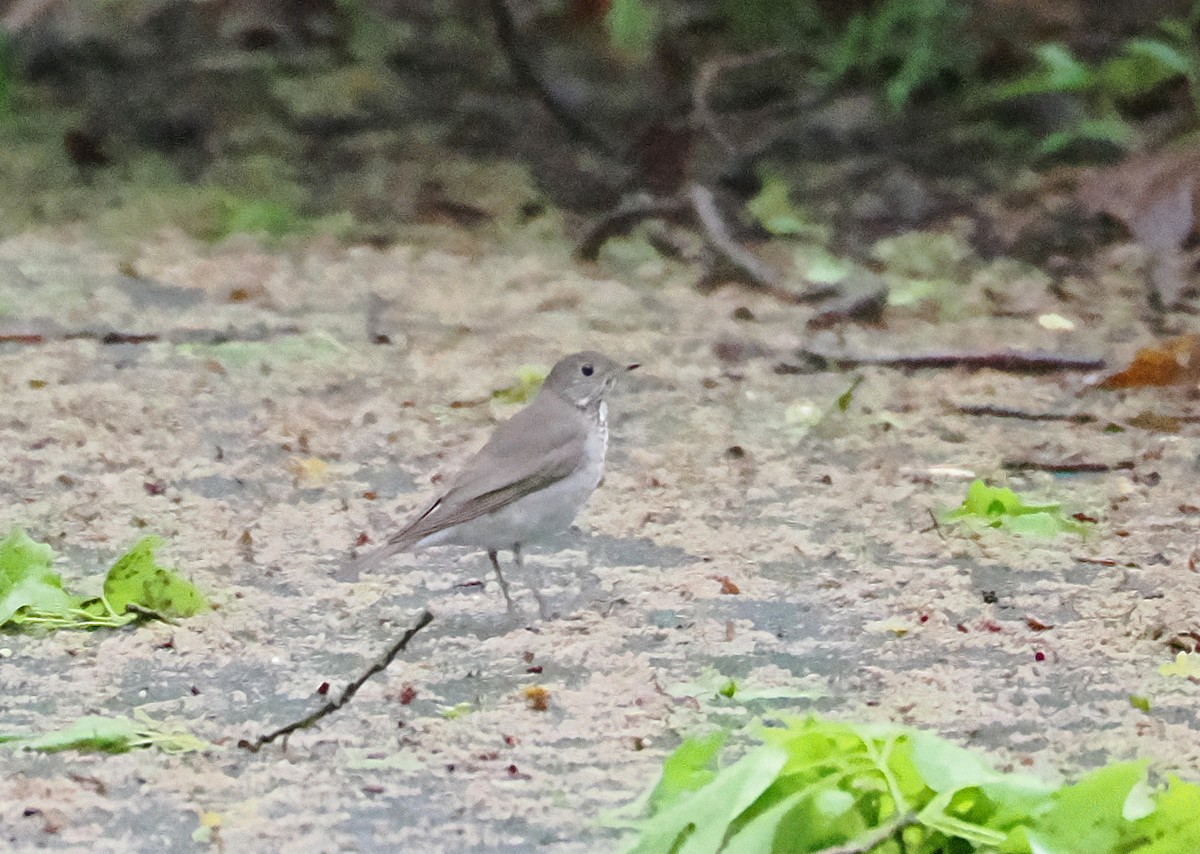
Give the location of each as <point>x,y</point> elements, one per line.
<point>136,579</point>
<point>315,347</point>
<point>906,43</point>
<point>847,397</point>
<point>816,784</point>
<point>902,45</point>
<point>790,24</point>
<point>773,209</point>
<point>458,710</point>
<point>257,216</point>
<point>32,595</point>
<point>28,587</point>
<point>632,27</point>
<point>7,76</point>
<point>529,380</point>
<point>1142,65</point>
<point>999,507</point>
<point>1186,666</point>
<point>120,734</point>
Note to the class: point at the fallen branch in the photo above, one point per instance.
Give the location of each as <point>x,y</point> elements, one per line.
<point>1099,561</point>
<point>1065,467</point>
<point>1005,412</point>
<point>527,76</point>
<point>1009,361</point>
<point>717,235</point>
<point>333,705</point>
<point>179,336</point>
<point>622,220</point>
<point>706,77</point>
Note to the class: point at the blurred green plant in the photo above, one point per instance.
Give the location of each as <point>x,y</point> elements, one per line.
<point>1143,65</point>
<point>818,785</point>
<point>633,27</point>
<point>905,44</point>
<point>1000,507</point>
<point>119,734</point>
<point>5,76</point>
<point>901,45</point>
<point>32,594</point>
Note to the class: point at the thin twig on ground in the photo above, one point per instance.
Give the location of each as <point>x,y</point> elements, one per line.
<point>1006,412</point>
<point>1098,561</point>
<point>1008,361</point>
<point>333,705</point>
<point>175,336</point>
<point>1066,466</point>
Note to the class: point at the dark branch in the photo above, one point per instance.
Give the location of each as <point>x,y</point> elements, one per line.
<point>1009,361</point>
<point>333,705</point>
<point>1066,466</point>
<point>527,76</point>
<point>622,220</point>
<point>1005,412</point>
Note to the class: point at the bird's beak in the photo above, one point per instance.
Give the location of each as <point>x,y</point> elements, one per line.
<point>634,366</point>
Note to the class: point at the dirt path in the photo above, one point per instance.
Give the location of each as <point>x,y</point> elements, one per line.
<point>263,460</point>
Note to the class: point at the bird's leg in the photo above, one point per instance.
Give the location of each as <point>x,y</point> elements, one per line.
<point>500,578</point>
<point>535,587</point>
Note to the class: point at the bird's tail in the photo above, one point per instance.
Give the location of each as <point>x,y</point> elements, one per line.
<point>372,560</point>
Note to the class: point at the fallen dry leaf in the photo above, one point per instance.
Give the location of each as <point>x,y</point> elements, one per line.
<point>537,697</point>
<point>1174,362</point>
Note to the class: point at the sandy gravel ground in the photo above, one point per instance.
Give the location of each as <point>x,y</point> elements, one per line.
<point>262,461</point>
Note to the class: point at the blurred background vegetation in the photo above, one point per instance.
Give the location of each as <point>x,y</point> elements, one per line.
<point>359,118</point>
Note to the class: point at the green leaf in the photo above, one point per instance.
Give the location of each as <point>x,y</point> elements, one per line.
<point>529,380</point>
<point>999,507</point>
<point>93,733</point>
<point>136,579</point>
<point>632,27</point>
<point>698,824</point>
<point>1059,71</point>
<point>260,216</point>
<point>818,784</point>
<point>1143,65</point>
<point>846,397</point>
<point>1185,665</point>
<point>687,768</point>
<point>1174,825</point>
<point>1088,815</point>
<point>27,585</point>
<point>774,210</point>
<point>1110,129</point>
<point>120,734</point>
<point>316,347</point>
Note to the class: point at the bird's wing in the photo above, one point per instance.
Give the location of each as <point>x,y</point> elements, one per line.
<point>539,446</point>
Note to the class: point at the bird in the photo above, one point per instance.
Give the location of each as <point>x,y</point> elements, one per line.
<point>532,477</point>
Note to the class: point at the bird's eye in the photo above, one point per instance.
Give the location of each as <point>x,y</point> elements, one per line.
<point>587,370</point>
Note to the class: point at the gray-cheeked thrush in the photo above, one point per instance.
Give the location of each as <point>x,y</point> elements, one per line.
<point>531,478</point>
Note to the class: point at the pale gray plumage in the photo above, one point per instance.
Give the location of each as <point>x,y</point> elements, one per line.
<point>531,478</point>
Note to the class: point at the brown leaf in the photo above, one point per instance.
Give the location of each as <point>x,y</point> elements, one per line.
<point>1156,423</point>
<point>1174,362</point>
<point>537,697</point>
